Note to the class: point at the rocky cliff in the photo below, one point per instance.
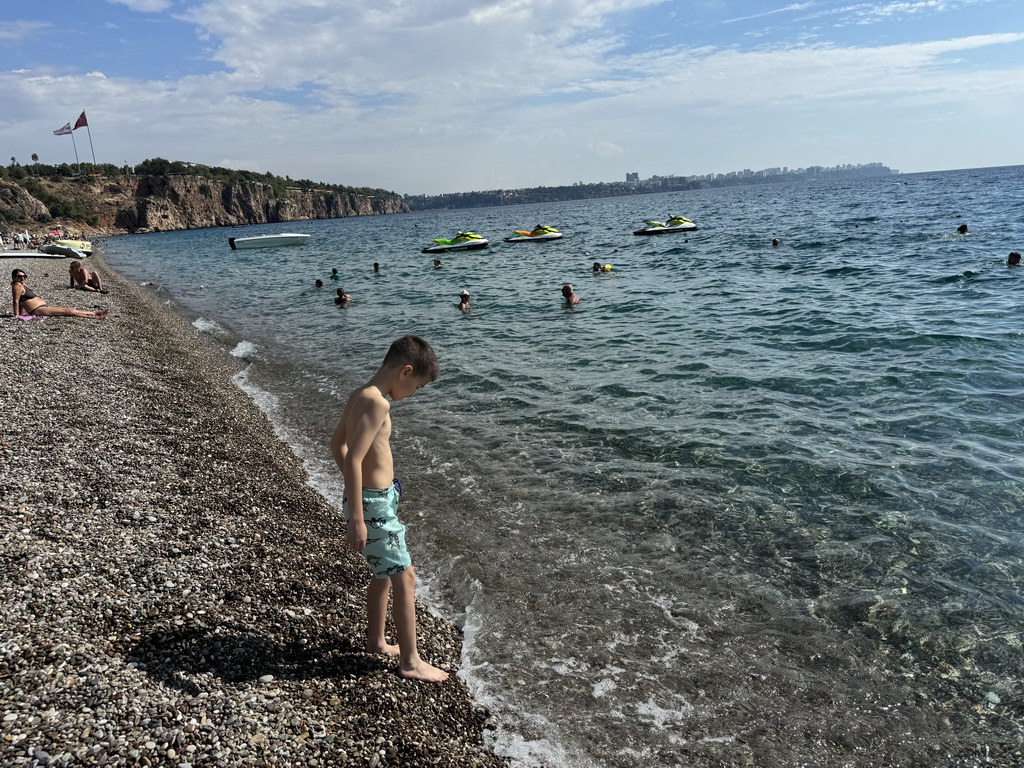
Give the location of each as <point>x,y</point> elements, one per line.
<point>135,204</point>
<point>20,204</point>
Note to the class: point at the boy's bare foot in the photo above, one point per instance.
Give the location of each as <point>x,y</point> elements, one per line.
<point>390,650</point>
<point>420,670</point>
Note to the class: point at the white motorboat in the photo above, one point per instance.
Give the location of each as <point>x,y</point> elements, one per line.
<point>267,241</point>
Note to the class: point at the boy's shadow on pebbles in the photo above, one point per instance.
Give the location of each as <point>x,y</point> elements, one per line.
<point>236,657</point>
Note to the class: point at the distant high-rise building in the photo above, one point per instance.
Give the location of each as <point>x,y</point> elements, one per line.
<point>633,178</point>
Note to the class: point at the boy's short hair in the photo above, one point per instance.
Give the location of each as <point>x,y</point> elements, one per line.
<point>414,351</point>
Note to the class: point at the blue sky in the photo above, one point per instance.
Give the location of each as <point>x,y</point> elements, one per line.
<point>453,95</point>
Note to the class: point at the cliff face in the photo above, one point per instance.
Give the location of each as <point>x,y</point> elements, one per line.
<point>191,202</point>
<point>19,203</point>
<point>153,204</point>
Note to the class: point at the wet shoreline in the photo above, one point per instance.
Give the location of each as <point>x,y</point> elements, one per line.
<point>174,591</point>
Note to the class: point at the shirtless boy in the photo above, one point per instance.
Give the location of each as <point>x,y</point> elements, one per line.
<point>362,449</point>
<point>83,279</point>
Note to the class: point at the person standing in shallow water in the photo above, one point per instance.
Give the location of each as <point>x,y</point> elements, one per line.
<point>362,450</point>
<point>571,298</point>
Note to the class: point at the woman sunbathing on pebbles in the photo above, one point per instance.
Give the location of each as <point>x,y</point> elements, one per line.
<point>27,303</point>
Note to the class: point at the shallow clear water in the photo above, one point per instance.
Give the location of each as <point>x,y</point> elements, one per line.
<point>742,500</point>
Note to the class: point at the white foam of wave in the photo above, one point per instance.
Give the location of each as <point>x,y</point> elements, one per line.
<point>208,326</point>
<point>524,751</point>
<point>325,480</point>
<point>244,350</point>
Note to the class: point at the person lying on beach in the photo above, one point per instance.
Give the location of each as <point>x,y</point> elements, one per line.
<point>464,301</point>
<point>570,296</point>
<point>342,298</point>
<point>1013,260</point>
<point>361,448</point>
<point>83,279</point>
<point>26,303</point>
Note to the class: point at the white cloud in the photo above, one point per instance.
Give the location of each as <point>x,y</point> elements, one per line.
<point>871,13</point>
<point>785,9</point>
<point>442,95</point>
<point>606,149</point>
<point>144,6</point>
<point>22,30</point>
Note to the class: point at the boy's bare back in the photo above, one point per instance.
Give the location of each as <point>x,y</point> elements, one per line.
<point>365,430</point>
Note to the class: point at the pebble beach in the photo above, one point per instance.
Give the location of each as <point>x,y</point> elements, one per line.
<point>174,593</point>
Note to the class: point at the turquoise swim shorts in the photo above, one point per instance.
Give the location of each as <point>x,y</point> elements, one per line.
<point>385,536</point>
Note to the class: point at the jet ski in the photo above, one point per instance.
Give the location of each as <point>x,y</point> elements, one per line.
<point>463,241</point>
<point>674,224</point>
<point>537,234</point>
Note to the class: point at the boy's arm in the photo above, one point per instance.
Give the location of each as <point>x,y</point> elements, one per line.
<point>353,450</point>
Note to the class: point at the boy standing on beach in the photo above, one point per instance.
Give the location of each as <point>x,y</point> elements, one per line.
<point>362,449</point>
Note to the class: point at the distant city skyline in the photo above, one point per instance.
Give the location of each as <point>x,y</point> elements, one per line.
<point>447,95</point>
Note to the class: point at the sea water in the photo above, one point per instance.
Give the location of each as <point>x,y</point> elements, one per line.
<point>743,502</point>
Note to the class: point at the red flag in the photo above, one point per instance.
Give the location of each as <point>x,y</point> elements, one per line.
<point>64,131</point>
<point>80,122</point>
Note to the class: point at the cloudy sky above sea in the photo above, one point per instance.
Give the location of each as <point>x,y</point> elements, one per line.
<point>431,96</point>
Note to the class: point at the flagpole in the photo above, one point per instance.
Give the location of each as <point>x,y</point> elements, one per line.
<point>88,130</point>
<point>76,152</point>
